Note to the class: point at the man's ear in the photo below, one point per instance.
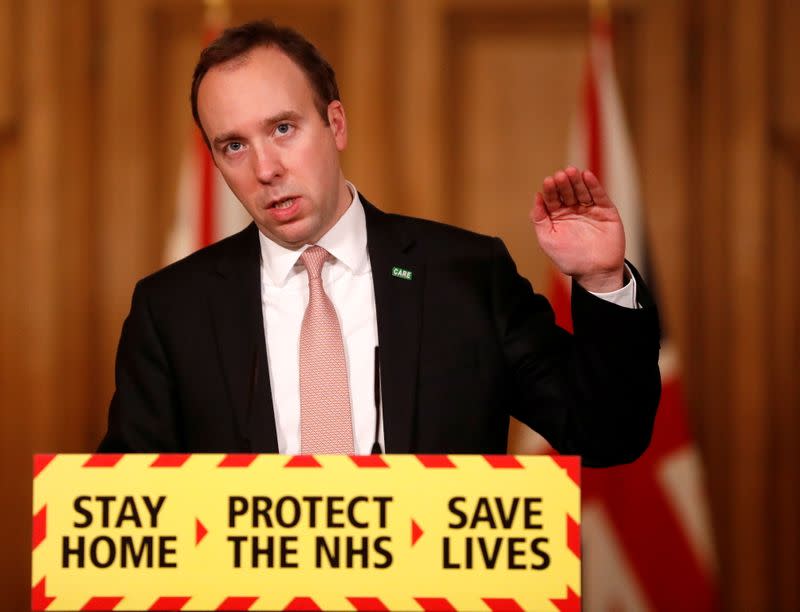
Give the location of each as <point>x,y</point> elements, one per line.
<point>338,124</point>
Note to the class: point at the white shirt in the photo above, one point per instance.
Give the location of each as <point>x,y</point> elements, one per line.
<point>347,281</point>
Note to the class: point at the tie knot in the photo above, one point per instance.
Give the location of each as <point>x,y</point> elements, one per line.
<point>313,258</point>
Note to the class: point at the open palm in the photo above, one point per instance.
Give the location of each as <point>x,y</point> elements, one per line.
<point>579,228</point>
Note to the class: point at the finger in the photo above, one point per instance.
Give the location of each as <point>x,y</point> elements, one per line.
<point>539,212</point>
<point>578,186</point>
<point>596,189</point>
<point>565,188</point>
<point>550,194</point>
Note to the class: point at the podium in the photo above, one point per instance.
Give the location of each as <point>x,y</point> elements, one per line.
<point>273,532</point>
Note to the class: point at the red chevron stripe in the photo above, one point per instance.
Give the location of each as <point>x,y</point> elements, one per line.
<point>103,460</point>
<point>571,464</point>
<point>39,599</point>
<point>302,604</point>
<point>435,604</point>
<point>40,462</point>
<point>502,604</point>
<point>416,532</point>
<point>237,460</point>
<point>200,531</point>
<point>572,603</point>
<point>102,603</point>
<point>300,461</point>
<point>170,460</point>
<point>436,461</point>
<point>369,461</point>
<point>39,527</point>
<point>574,536</point>
<point>367,604</point>
<point>168,604</point>
<point>503,461</point>
<point>237,603</point>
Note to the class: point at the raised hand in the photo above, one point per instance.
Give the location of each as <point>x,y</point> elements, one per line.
<point>579,228</point>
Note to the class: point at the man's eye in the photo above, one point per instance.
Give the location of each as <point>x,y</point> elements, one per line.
<point>283,128</point>
<point>234,147</point>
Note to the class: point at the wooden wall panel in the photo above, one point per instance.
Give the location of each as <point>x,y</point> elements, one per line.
<point>44,184</point>
<point>75,260</point>
<point>783,488</point>
<point>504,143</point>
<point>707,237</point>
<point>123,223</point>
<point>419,176</point>
<point>38,220</point>
<point>8,67</point>
<point>784,314</point>
<point>748,185</point>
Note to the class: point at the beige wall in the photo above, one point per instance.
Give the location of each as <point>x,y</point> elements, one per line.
<point>457,109</point>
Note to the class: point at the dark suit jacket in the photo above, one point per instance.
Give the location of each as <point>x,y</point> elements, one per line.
<point>464,344</point>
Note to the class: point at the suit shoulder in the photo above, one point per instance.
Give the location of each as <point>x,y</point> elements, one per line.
<point>194,269</point>
<point>441,236</point>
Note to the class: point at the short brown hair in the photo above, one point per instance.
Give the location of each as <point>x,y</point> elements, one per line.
<point>239,41</point>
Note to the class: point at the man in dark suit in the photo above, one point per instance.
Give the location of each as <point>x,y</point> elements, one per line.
<point>229,350</point>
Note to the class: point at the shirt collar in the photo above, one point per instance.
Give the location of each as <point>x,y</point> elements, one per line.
<point>346,241</point>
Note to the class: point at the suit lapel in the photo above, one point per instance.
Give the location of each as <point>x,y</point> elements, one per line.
<point>398,303</point>
<point>239,328</point>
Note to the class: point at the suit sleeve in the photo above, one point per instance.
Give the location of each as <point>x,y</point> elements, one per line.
<point>142,415</point>
<point>594,393</point>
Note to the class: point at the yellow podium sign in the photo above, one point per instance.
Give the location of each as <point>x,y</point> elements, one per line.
<point>271,532</point>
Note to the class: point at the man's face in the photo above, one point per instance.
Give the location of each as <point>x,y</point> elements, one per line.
<point>273,148</point>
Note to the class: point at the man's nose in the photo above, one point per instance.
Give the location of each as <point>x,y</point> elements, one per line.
<point>267,164</point>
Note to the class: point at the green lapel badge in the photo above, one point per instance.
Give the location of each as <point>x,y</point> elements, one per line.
<point>402,273</point>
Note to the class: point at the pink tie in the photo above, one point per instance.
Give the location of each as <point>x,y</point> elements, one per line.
<point>326,425</point>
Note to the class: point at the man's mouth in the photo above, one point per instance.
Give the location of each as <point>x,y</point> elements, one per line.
<point>282,203</point>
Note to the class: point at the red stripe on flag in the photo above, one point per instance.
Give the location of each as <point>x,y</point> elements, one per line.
<point>237,460</point>
<point>591,108</point>
<point>435,604</point>
<point>167,604</point>
<point>39,527</point>
<point>103,460</point>
<point>436,461</point>
<point>502,604</point>
<point>369,461</point>
<point>503,461</point>
<point>303,461</point>
<point>574,536</point>
<point>102,603</point>
<point>39,598</point>
<point>571,464</point>
<point>170,460</point>
<point>40,462</point>
<point>237,603</point>
<point>206,174</point>
<point>302,604</point>
<point>367,604</point>
<point>572,603</point>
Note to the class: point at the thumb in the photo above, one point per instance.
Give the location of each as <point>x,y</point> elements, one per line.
<point>539,210</point>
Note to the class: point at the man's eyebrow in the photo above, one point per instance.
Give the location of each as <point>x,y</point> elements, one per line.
<point>267,122</point>
<point>218,140</point>
<point>282,116</point>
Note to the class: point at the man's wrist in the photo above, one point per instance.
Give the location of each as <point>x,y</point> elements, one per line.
<point>603,282</point>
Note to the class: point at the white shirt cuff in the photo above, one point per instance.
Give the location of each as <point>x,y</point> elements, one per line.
<point>626,296</point>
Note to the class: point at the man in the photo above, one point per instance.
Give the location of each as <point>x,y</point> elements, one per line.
<point>266,341</point>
